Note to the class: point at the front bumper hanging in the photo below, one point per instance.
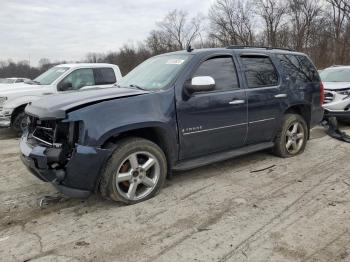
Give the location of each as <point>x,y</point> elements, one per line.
<point>77,179</point>
<point>330,121</point>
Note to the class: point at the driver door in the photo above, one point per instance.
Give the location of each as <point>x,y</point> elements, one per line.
<point>216,120</point>
<point>77,79</point>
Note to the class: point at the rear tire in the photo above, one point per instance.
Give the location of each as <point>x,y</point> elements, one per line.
<point>292,136</point>
<point>19,123</point>
<point>135,172</point>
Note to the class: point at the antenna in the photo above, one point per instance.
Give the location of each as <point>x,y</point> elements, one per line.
<point>189,48</point>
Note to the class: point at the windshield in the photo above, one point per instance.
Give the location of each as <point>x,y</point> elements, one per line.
<point>6,81</point>
<point>50,75</point>
<point>155,73</point>
<point>336,75</point>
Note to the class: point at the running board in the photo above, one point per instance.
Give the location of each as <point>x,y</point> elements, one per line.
<point>217,157</point>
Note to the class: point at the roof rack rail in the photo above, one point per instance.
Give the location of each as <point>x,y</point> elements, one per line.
<point>260,47</point>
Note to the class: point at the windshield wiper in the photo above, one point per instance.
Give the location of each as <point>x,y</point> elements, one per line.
<point>32,82</point>
<point>138,87</point>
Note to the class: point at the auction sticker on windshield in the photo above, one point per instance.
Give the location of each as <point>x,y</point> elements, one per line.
<point>175,62</point>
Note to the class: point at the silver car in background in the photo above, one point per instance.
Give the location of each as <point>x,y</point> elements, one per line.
<point>336,81</point>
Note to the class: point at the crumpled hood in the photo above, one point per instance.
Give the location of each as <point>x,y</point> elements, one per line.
<point>56,106</point>
<point>336,85</point>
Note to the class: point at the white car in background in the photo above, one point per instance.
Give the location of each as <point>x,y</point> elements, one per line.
<point>61,78</point>
<point>13,80</point>
<point>336,81</point>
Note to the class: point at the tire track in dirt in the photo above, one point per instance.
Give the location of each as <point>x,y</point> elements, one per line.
<point>298,206</point>
<point>322,168</point>
<point>322,249</point>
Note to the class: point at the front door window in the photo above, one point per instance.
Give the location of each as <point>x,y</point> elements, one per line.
<point>77,79</point>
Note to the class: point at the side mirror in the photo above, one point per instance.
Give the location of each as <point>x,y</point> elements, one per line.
<point>201,84</point>
<point>64,86</point>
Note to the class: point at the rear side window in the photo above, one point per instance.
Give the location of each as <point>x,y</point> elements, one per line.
<point>104,76</point>
<point>259,71</point>
<point>299,68</point>
<point>222,69</point>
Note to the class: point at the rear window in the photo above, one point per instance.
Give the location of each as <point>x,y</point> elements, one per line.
<point>298,68</point>
<point>104,76</point>
<point>259,71</point>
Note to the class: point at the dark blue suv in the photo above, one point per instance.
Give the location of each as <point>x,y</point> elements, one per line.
<point>175,111</point>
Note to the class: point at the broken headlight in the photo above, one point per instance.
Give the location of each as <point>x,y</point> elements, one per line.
<point>57,134</point>
<point>345,92</point>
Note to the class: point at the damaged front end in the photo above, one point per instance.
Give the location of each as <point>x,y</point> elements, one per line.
<point>337,103</point>
<point>52,151</point>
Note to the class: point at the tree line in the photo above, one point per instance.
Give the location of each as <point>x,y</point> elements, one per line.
<point>320,29</point>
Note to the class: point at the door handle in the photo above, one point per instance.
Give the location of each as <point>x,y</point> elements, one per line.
<point>281,95</point>
<point>47,94</point>
<point>237,102</point>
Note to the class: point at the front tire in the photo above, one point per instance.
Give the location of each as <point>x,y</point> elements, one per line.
<point>135,172</point>
<point>292,136</point>
<point>19,123</point>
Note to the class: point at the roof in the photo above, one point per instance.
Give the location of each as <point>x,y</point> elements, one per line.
<point>72,65</point>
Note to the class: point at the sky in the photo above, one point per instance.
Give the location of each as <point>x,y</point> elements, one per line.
<point>68,29</point>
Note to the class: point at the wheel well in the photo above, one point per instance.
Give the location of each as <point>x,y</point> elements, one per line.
<point>17,111</point>
<point>154,134</point>
<point>302,110</point>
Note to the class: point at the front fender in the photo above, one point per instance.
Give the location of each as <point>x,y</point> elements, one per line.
<point>110,118</point>
<point>20,101</point>
<point>164,127</point>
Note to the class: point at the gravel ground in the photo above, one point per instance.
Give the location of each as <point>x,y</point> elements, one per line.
<point>298,209</point>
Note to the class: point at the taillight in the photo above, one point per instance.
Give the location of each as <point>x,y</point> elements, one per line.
<point>321,93</point>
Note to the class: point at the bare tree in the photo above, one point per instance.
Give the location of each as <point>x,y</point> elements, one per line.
<point>272,12</point>
<point>343,5</point>
<point>304,14</point>
<point>44,61</point>
<point>94,57</point>
<point>231,22</point>
<point>159,42</point>
<point>178,29</point>
<point>44,64</point>
<point>339,30</point>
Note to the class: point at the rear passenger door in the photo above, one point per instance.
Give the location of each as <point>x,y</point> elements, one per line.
<point>265,96</point>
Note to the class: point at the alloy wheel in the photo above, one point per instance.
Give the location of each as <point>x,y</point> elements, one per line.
<point>295,137</point>
<point>138,175</point>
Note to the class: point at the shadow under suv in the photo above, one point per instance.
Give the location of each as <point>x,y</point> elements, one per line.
<point>175,111</point>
